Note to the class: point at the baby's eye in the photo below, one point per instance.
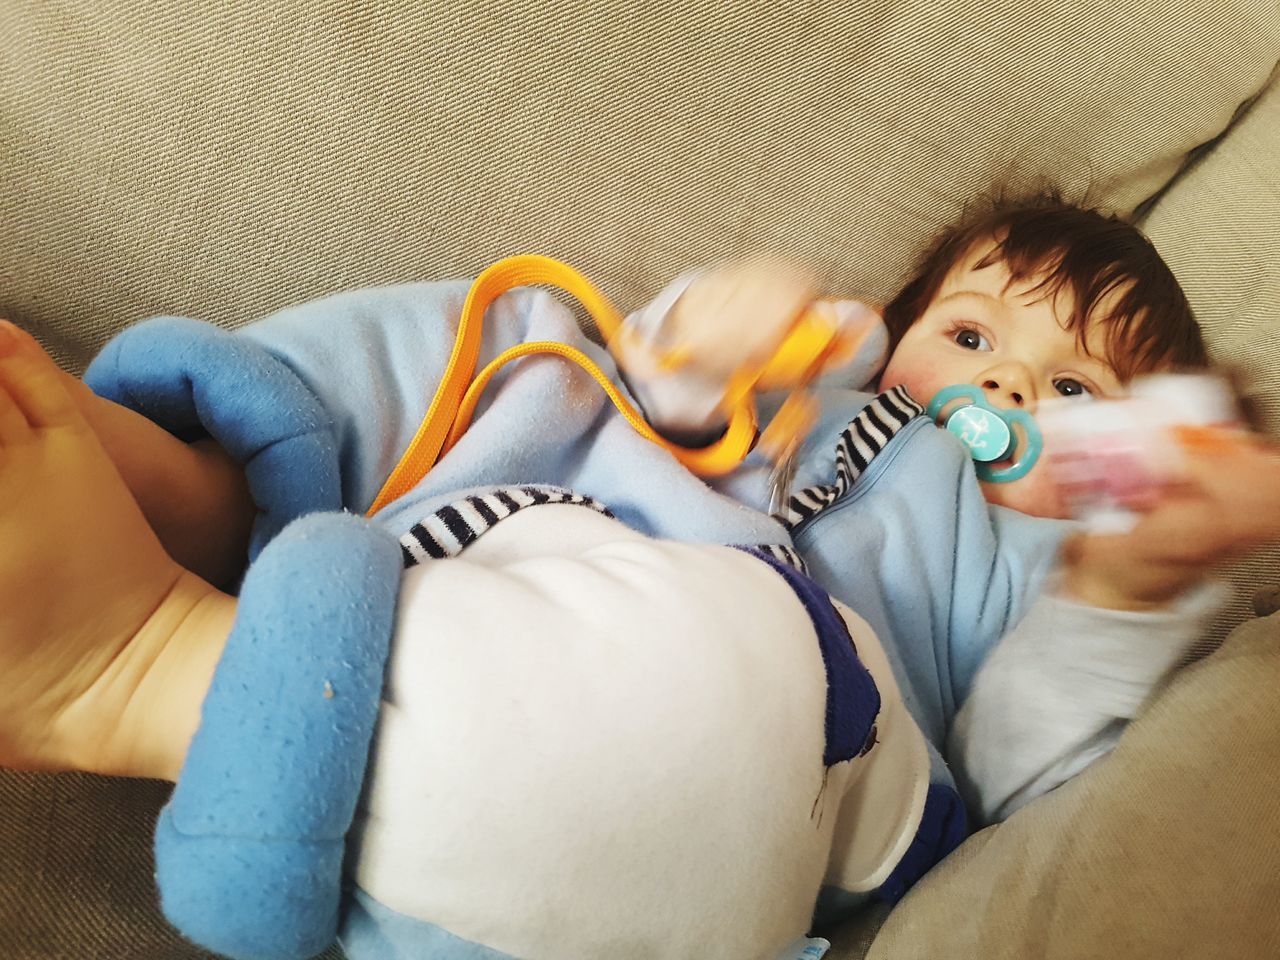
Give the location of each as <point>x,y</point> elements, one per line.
<point>970,339</point>
<point>1070,387</point>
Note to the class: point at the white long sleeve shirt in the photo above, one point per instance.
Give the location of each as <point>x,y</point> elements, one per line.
<point>1056,692</point>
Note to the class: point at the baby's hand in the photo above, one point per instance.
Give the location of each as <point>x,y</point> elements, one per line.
<point>735,316</point>
<point>1226,502</point>
<point>680,353</point>
<point>684,353</point>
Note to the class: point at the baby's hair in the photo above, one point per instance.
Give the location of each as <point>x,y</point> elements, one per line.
<point>1094,256</point>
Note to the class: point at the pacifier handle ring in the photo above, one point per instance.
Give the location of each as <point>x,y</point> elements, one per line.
<point>1030,451</point>
<point>947,395</point>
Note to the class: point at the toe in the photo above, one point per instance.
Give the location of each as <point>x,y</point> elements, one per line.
<point>13,423</point>
<point>34,389</point>
<point>16,341</point>
<point>13,339</point>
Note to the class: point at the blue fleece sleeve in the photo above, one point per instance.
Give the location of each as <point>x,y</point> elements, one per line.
<point>914,548</point>
<point>321,400</point>
<point>375,359</point>
<point>249,849</point>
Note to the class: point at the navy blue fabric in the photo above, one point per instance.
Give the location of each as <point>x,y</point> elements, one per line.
<point>196,380</point>
<point>853,701</point>
<point>249,848</point>
<point>943,827</point>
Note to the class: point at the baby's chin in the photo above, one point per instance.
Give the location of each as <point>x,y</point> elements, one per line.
<point>1033,495</point>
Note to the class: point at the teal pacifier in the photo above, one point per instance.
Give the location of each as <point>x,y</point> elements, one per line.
<point>989,433</point>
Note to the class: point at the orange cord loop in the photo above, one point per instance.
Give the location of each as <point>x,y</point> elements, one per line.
<point>458,393</point>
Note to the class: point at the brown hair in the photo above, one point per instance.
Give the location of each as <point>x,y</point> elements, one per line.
<point>1150,325</point>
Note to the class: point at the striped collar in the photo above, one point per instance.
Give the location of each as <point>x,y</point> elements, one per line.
<point>455,526</point>
<point>866,435</point>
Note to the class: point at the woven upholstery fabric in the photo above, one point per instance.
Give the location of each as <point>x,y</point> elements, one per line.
<point>1219,229</point>
<point>220,160</point>
<point>75,871</point>
<point>1165,848</point>
<point>70,848</point>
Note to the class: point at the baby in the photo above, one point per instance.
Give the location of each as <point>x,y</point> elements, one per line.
<point>535,707</point>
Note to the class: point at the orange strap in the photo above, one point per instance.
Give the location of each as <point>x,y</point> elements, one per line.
<point>456,397</point>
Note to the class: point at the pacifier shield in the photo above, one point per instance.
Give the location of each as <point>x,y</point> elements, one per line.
<point>984,432</point>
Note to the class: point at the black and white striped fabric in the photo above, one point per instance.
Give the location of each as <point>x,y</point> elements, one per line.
<point>783,554</point>
<point>866,435</point>
<point>454,527</point>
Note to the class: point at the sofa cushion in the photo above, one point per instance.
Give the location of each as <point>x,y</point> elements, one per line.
<point>1219,229</point>
<point>221,160</point>
<point>1165,848</point>
<point>75,874</point>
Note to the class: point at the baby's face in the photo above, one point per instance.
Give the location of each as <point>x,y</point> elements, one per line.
<point>1012,343</point>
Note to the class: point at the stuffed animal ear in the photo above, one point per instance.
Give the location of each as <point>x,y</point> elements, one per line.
<point>197,380</point>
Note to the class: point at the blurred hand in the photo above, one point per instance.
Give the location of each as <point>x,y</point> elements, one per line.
<point>1226,503</point>
<point>736,315</point>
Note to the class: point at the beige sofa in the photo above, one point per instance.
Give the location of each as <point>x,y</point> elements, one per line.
<point>220,160</point>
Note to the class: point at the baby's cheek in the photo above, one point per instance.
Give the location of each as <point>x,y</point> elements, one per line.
<point>921,378</point>
<point>1035,494</point>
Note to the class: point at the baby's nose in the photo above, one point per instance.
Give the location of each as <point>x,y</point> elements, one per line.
<point>1009,386</point>
<point>992,386</point>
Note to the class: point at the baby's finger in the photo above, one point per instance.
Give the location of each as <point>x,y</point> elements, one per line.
<point>1146,497</point>
<point>738,315</point>
<point>1182,528</point>
<point>1244,479</point>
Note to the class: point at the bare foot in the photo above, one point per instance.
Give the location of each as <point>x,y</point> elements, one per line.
<point>88,595</point>
<point>194,495</point>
